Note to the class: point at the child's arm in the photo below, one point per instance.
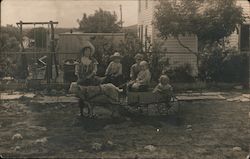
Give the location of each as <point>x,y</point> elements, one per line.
<point>120,70</point>
<point>108,69</point>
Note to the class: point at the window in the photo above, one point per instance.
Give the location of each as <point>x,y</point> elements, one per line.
<point>146,38</point>
<point>139,32</point>
<point>142,34</point>
<point>245,38</point>
<point>139,5</point>
<point>146,4</point>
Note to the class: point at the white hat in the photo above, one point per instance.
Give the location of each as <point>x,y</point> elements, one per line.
<point>143,63</point>
<point>116,55</point>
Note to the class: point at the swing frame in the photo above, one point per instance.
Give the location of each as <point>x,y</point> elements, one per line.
<point>51,53</point>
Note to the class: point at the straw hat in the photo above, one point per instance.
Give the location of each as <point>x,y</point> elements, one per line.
<point>143,63</point>
<point>139,56</point>
<point>88,45</point>
<point>116,55</point>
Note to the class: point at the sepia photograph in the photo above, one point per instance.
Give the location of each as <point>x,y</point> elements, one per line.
<point>101,79</point>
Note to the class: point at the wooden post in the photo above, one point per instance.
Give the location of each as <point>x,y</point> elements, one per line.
<point>53,47</point>
<point>21,36</point>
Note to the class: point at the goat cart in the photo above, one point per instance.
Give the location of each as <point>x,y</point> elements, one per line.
<point>109,97</point>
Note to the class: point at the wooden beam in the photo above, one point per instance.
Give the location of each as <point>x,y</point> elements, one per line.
<point>32,23</point>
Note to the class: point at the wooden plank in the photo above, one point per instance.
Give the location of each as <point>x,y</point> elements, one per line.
<point>29,23</point>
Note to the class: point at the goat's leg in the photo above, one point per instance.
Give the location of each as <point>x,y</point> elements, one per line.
<point>81,106</point>
<point>90,109</point>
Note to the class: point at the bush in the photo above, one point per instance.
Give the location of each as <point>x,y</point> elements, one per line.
<point>181,73</point>
<point>224,66</point>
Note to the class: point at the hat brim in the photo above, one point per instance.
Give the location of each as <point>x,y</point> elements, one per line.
<point>90,46</point>
<point>115,57</point>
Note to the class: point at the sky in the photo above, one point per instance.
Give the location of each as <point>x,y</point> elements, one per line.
<point>66,12</point>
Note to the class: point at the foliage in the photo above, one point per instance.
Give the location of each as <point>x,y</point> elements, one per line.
<point>210,20</point>
<point>129,48</point>
<point>221,65</point>
<point>182,73</point>
<point>39,35</point>
<point>9,38</point>
<point>101,22</point>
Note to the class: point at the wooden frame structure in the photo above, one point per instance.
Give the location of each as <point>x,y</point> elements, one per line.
<point>51,54</point>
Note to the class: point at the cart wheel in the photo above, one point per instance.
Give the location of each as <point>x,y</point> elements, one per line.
<point>174,105</point>
<point>169,107</point>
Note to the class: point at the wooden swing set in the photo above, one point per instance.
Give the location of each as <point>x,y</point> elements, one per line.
<point>50,52</point>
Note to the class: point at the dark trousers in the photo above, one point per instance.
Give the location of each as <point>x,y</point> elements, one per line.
<point>142,88</point>
<point>115,80</point>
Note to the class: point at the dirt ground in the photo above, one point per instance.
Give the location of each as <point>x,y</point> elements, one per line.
<point>203,129</point>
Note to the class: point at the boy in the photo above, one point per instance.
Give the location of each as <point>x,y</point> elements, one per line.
<point>143,78</point>
<point>114,70</point>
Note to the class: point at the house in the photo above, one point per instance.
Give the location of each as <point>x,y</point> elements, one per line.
<point>171,48</point>
<point>240,39</point>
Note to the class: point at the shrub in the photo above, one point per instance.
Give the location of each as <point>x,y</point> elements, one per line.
<point>224,66</point>
<point>182,73</point>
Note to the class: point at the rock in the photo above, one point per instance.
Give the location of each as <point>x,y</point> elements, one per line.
<point>40,128</point>
<point>17,148</point>
<point>238,87</point>
<point>189,126</point>
<point>96,146</point>
<point>246,95</point>
<point>17,137</point>
<point>110,143</point>
<point>80,150</point>
<point>150,147</point>
<point>41,141</point>
<point>107,127</point>
<point>53,92</point>
<point>248,156</point>
<point>243,99</point>
<point>190,129</point>
<point>249,114</point>
<point>237,149</point>
<point>157,130</point>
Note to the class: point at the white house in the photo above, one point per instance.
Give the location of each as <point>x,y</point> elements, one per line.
<point>240,39</point>
<point>148,34</point>
<point>172,49</point>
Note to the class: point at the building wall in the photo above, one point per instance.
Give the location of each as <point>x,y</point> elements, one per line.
<point>170,47</point>
<point>234,39</point>
<point>69,45</point>
<point>145,17</point>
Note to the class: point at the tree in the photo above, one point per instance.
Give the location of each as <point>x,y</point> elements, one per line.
<point>210,20</point>
<point>39,35</point>
<point>9,38</point>
<point>100,22</point>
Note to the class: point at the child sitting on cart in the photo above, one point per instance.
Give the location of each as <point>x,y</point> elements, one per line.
<point>143,78</point>
<point>163,88</point>
<point>114,70</point>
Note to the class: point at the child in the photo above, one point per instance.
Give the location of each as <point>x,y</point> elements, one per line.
<point>143,78</point>
<point>163,87</point>
<point>114,70</point>
<point>135,68</point>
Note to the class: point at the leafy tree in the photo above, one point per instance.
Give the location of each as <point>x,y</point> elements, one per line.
<point>210,20</point>
<point>39,35</point>
<point>100,22</point>
<point>9,38</point>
